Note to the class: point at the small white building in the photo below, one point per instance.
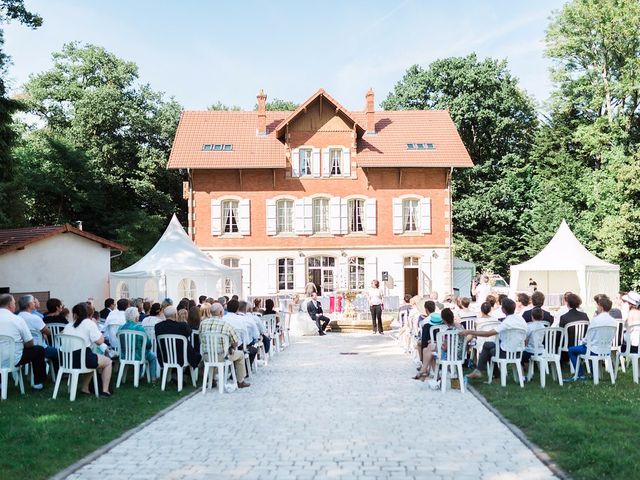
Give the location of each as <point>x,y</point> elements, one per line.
<point>56,261</point>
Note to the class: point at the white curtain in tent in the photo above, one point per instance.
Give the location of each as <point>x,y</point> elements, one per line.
<point>566,265</point>
<point>173,268</point>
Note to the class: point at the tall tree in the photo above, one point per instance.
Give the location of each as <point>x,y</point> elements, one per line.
<point>98,116</point>
<point>10,10</point>
<point>497,122</point>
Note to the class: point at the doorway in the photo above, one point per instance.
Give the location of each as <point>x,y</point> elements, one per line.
<point>320,271</point>
<point>411,275</point>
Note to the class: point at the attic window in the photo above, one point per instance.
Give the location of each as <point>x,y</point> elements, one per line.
<point>217,147</point>
<point>420,146</point>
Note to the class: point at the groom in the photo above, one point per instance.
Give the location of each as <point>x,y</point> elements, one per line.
<point>315,312</point>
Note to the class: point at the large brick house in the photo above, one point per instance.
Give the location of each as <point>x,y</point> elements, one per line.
<point>323,195</point>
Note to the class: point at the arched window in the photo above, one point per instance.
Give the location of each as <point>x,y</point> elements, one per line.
<point>187,289</point>
<point>231,262</point>
<point>356,273</point>
<point>151,290</point>
<point>122,291</point>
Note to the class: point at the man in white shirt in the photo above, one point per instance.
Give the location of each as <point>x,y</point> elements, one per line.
<point>26,352</point>
<point>511,321</point>
<point>241,326</point>
<point>115,320</point>
<point>482,289</point>
<point>26,304</point>
<point>602,319</point>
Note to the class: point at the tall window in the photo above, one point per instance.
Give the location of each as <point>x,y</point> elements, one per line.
<point>230,216</point>
<point>410,212</point>
<point>320,215</point>
<point>335,156</point>
<point>284,218</point>
<point>356,273</point>
<point>230,262</point>
<point>285,274</point>
<point>305,161</point>
<point>356,215</point>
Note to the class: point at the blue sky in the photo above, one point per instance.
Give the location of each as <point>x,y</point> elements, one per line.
<point>203,51</point>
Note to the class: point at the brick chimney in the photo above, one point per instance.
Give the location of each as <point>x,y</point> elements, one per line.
<point>371,122</point>
<point>262,113</point>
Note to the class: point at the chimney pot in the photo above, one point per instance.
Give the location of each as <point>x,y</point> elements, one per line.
<point>370,112</point>
<point>262,113</point>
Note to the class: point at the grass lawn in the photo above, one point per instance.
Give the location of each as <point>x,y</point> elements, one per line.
<point>41,436</point>
<point>591,432</point>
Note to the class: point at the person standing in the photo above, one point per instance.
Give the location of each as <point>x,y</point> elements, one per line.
<point>374,295</point>
<point>482,289</point>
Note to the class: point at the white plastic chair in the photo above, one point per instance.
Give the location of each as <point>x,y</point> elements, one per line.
<point>39,339</point>
<point>175,357</point>
<point>7,364</point>
<point>578,328</point>
<point>286,326</point>
<point>451,358</point>
<point>603,340</point>
<point>547,344</point>
<point>272,332</point>
<point>632,333</point>
<point>510,344</point>
<point>151,334</point>
<point>192,341</point>
<point>217,359</point>
<point>128,340</point>
<point>616,346</point>
<point>68,345</point>
<point>56,330</point>
<point>114,341</point>
<point>480,341</point>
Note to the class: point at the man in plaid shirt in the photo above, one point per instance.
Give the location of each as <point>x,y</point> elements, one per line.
<point>214,322</point>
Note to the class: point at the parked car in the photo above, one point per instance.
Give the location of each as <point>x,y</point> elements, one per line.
<point>499,285</point>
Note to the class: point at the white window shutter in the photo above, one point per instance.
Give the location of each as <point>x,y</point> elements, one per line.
<point>308,215</point>
<point>298,216</point>
<point>326,163</point>
<point>244,214</point>
<point>272,276</point>
<point>397,215</point>
<point>425,215</point>
<point>216,217</point>
<point>370,270</point>
<point>295,163</point>
<point>335,224</point>
<point>245,265</point>
<point>344,216</point>
<point>315,162</point>
<point>346,162</point>
<point>271,217</point>
<point>298,274</point>
<point>370,216</point>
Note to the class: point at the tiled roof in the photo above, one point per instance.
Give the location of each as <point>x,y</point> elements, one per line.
<point>386,148</point>
<point>220,127</point>
<point>394,129</point>
<point>18,238</point>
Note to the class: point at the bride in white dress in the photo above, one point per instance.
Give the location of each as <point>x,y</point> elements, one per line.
<point>301,324</point>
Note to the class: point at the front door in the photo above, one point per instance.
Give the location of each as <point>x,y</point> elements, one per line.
<point>411,281</point>
<point>320,271</point>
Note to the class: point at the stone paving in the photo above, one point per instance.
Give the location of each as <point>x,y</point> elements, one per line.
<point>317,413</point>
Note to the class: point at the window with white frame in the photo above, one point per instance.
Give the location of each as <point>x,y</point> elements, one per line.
<point>356,273</point>
<point>410,214</point>
<point>305,162</point>
<point>230,216</point>
<point>285,274</point>
<point>321,215</point>
<point>356,215</point>
<point>230,262</point>
<point>411,262</point>
<point>335,158</point>
<point>284,216</point>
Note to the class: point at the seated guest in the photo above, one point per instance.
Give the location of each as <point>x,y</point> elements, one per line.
<point>430,350</point>
<point>462,309</point>
<point>314,309</point>
<point>562,310</point>
<point>603,306</point>
<point>146,306</point>
<point>154,316</point>
<point>242,328</point>
<point>268,310</point>
<point>85,328</point>
<point>260,325</point>
<point>255,326</point>
<point>183,315</point>
<point>522,303</point>
<point>632,299</point>
<point>132,317</point>
<point>485,314</point>
<point>201,299</point>
<point>171,326</point>
<point>54,312</point>
<point>115,320</point>
<point>223,301</point>
<point>537,300</point>
<point>183,304</point>
<point>498,313</point>
<point>433,296</point>
<point>573,315</point>
<point>36,308</point>
<point>536,324</point>
<point>405,307</point>
<point>109,306</point>
<point>26,352</point>
<point>193,318</point>
<point>511,320</point>
<point>257,305</point>
<point>26,305</point>
<point>213,321</point>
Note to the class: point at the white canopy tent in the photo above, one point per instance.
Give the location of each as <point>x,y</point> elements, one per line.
<point>463,273</point>
<point>175,267</point>
<point>566,265</point>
